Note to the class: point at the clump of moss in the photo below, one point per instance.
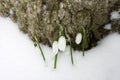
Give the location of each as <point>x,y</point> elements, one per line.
<point>43,18</point>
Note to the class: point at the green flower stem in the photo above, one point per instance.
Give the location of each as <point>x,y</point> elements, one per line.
<point>71,54</point>
<point>55,61</point>
<point>40,48</point>
<point>41,52</point>
<point>83,43</point>
<point>83,48</point>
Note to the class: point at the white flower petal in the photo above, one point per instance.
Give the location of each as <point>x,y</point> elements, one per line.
<point>55,47</point>
<point>78,38</point>
<point>62,43</point>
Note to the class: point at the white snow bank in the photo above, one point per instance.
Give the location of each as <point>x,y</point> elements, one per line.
<point>20,60</point>
<point>115,15</point>
<point>108,26</point>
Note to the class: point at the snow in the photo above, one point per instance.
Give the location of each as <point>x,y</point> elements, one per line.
<point>108,26</point>
<point>115,15</point>
<point>20,60</point>
<point>11,12</point>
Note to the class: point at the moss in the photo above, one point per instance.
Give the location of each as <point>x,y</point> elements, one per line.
<point>43,18</point>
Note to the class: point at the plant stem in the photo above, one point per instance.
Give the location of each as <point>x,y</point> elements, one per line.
<point>40,49</point>
<point>83,48</point>
<point>72,61</point>
<point>55,61</point>
<point>41,52</point>
<point>83,43</point>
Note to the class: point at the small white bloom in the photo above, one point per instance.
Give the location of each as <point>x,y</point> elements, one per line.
<point>55,47</point>
<point>78,38</point>
<point>62,43</point>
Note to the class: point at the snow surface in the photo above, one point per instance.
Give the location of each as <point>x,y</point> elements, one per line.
<point>20,60</point>
<point>108,26</point>
<point>115,15</point>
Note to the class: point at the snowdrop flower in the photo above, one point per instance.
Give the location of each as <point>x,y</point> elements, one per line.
<point>78,38</point>
<point>62,43</point>
<point>55,47</point>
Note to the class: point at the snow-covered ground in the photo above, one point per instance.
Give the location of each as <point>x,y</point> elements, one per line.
<point>20,60</point>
